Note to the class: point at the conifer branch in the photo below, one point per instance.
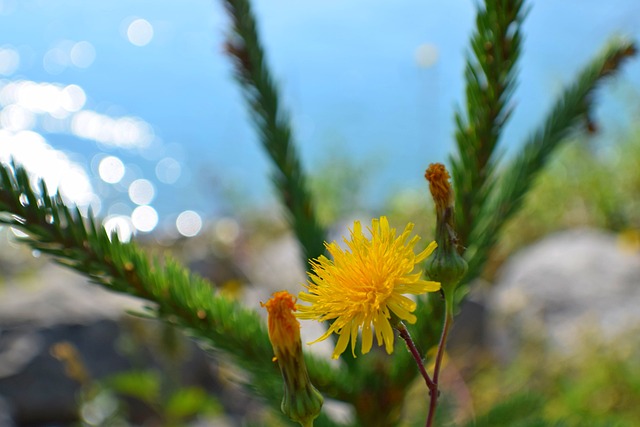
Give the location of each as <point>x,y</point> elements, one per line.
<point>490,75</point>
<point>490,81</point>
<point>272,122</point>
<point>573,109</point>
<point>180,297</point>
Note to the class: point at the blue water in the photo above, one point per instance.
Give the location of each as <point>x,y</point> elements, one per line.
<point>347,72</point>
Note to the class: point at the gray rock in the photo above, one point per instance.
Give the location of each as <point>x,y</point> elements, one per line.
<point>54,305</point>
<point>6,415</point>
<point>568,286</point>
<point>50,305</point>
<point>38,391</point>
<point>53,295</point>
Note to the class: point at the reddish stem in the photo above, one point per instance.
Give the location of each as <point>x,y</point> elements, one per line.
<point>404,333</point>
<point>433,391</point>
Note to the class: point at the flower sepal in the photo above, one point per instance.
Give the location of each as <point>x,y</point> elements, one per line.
<point>447,267</point>
<point>301,402</point>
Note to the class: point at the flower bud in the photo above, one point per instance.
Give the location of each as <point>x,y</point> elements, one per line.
<point>301,402</point>
<point>446,266</point>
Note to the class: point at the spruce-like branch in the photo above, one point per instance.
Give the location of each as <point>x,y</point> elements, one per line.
<point>573,109</point>
<point>490,75</point>
<point>272,122</point>
<point>180,297</point>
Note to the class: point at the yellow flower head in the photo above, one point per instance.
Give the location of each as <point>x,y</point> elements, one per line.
<point>364,285</point>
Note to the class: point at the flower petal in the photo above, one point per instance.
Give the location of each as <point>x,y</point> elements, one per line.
<point>341,345</point>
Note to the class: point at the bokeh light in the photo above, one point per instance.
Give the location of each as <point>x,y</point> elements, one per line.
<point>168,170</point>
<point>53,99</point>
<point>73,98</point>
<point>82,54</point>
<point>119,224</point>
<point>227,230</point>
<point>426,55</point>
<point>125,132</point>
<point>56,60</point>
<point>9,61</point>
<point>16,118</point>
<point>111,169</point>
<point>141,191</point>
<point>140,32</point>
<point>144,218</point>
<point>60,173</point>
<point>189,223</point>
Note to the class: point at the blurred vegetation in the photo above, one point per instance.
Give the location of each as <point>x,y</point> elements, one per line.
<point>590,183</point>
<point>153,389</point>
<point>597,385</point>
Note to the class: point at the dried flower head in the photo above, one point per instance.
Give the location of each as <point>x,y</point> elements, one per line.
<point>439,185</point>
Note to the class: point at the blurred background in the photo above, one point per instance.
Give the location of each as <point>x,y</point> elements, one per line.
<point>130,108</point>
<point>134,107</point>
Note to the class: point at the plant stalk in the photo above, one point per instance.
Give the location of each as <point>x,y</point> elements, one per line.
<point>404,333</point>
<point>434,392</point>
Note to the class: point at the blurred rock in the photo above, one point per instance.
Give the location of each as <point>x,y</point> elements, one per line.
<point>37,389</point>
<point>277,266</point>
<point>468,335</point>
<point>55,305</point>
<point>6,415</point>
<point>53,295</point>
<point>46,307</point>
<point>568,286</point>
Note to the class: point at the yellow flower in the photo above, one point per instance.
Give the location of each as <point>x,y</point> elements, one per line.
<point>364,286</point>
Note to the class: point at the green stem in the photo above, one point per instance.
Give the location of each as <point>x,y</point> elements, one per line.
<point>434,391</point>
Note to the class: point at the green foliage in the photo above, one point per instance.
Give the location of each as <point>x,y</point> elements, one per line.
<point>572,109</point>
<point>487,196</point>
<point>490,76</point>
<point>519,410</point>
<point>141,385</point>
<point>180,297</point>
<point>593,188</point>
<point>598,384</point>
<point>187,402</point>
<point>170,407</point>
<point>272,122</point>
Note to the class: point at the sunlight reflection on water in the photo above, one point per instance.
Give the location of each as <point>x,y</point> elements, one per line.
<point>111,169</point>
<point>29,109</point>
<point>54,167</point>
